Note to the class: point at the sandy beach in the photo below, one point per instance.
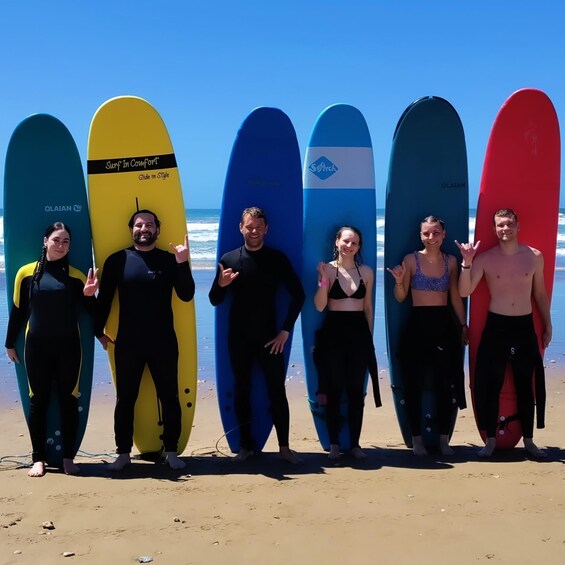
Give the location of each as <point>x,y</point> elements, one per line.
<point>390,508</point>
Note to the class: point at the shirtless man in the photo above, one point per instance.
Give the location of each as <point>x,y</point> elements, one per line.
<point>514,275</point>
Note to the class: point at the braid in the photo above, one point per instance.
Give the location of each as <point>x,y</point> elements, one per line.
<point>38,271</point>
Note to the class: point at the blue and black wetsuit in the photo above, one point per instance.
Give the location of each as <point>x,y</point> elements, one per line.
<point>253,322</point>
<point>146,336</point>
<point>52,346</point>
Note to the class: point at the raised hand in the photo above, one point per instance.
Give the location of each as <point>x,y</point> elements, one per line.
<point>226,276</point>
<point>91,285</point>
<point>181,252</point>
<point>468,251</point>
<point>397,272</point>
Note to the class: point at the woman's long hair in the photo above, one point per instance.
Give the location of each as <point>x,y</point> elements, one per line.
<point>40,265</point>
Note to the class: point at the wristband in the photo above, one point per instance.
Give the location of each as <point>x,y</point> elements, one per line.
<point>465,266</point>
<point>322,283</point>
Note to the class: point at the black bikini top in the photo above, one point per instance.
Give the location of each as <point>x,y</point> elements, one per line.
<point>337,293</point>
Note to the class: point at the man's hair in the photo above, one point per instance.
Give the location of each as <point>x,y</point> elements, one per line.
<point>144,211</point>
<point>433,220</point>
<point>254,212</point>
<point>504,213</point>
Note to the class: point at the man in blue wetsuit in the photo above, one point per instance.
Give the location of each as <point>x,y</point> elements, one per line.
<point>253,272</point>
<point>145,278</point>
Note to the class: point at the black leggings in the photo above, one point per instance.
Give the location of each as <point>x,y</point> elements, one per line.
<point>53,361</point>
<point>506,339</point>
<point>428,361</point>
<point>243,351</point>
<point>345,343</point>
<point>161,357</point>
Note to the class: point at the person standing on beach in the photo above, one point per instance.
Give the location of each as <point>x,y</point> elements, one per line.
<point>432,341</point>
<point>145,277</point>
<point>47,295</point>
<point>514,275</point>
<point>253,272</point>
<point>344,345</point>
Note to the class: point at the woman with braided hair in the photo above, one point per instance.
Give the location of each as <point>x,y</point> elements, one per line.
<point>46,298</point>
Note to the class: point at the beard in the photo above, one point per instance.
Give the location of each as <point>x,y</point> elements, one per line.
<point>145,239</point>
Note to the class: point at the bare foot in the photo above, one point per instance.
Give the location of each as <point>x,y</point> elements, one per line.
<point>444,447</point>
<point>288,455</point>
<point>38,469</point>
<point>533,449</point>
<point>173,460</point>
<point>70,468</point>
<point>335,453</point>
<point>489,447</point>
<point>358,453</point>
<point>418,446</point>
<point>123,460</point>
<point>243,455</point>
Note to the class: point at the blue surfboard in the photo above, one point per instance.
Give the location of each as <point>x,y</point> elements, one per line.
<point>44,183</point>
<point>339,189</point>
<point>265,171</point>
<point>427,175</point>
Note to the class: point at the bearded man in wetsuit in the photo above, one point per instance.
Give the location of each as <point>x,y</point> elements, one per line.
<point>253,272</point>
<point>514,275</point>
<point>145,277</point>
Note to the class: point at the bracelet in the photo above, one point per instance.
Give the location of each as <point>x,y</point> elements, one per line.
<point>322,283</point>
<point>465,266</point>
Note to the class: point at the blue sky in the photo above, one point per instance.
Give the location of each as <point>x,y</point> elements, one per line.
<point>206,65</point>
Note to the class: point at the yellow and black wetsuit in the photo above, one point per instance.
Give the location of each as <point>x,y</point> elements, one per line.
<point>52,345</point>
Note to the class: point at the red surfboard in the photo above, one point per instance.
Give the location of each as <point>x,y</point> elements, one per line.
<point>521,171</point>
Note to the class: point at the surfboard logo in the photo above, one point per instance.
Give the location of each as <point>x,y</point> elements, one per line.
<point>63,208</point>
<point>323,168</point>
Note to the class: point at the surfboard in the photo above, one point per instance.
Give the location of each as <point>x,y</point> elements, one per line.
<point>522,172</point>
<point>339,190</point>
<point>131,163</point>
<point>427,175</point>
<point>44,183</point>
<point>265,171</point>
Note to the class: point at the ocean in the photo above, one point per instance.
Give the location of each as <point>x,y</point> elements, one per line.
<point>202,225</point>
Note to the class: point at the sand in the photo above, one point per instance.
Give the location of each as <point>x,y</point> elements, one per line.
<point>390,508</point>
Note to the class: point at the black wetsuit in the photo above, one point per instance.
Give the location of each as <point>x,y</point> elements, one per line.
<point>509,339</point>
<point>146,336</point>
<point>52,346</point>
<point>253,322</point>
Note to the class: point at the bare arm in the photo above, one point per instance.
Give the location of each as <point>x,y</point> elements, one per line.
<point>456,300</point>
<point>402,274</point>
<point>472,270</point>
<point>321,296</point>
<point>368,308</point>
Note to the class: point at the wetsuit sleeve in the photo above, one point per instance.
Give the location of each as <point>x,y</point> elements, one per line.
<point>107,290</point>
<point>217,293</point>
<point>20,309</point>
<point>297,295</point>
<point>184,281</point>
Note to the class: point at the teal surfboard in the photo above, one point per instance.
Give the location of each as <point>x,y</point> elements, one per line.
<point>339,189</point>
<point>44,183</point>
<point>264,170</point>
<point>427,175</point>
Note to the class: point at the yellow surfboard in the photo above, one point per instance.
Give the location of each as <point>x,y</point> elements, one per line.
<point>131,165</point>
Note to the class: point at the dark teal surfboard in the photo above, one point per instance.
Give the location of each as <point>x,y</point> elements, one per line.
<point>427,175</point>
<point>44,183</point>
<point>264,170</point>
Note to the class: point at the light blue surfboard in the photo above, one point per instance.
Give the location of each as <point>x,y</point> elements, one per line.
<point>265,171</point>
<point>339,189</point>
<point>427,175</point>
<point>44,183</point>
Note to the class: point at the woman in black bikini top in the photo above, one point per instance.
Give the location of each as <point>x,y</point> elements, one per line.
<point>344,345</point>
